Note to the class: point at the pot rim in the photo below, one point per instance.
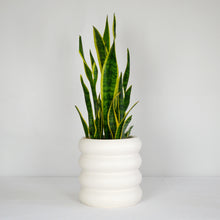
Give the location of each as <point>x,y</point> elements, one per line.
<point>110,140</point>
<point>110,146</point>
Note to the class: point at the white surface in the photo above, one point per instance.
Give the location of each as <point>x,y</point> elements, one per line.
<point>175,53</point>
<point>56,198</point>
<point>110,176</point>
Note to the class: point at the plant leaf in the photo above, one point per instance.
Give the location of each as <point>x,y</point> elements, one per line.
<point>100,47</point>
<point>106,35</point>
<point>81,48</point>
<point>127,121</point>
<point>94,68</point>
<point>127,98</point>
<point>92,127</point>
<point>118,134</point>
<point>121,99</point>
<point>89,75</point>
<point>101,116</point>
<point>112,118</point>
<point>88,72</point>
<point>98,122</point>
<point>114,26</point>
<point>108,84</point>
<point>127,72</point>
<point>85,126</point>
<point>127,134</point>
<point>95,73</point>
<point>91,58</point>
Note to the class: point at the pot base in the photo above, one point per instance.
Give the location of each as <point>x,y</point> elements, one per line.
<point>110,198</point>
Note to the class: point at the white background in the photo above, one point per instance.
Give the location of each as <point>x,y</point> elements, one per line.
<point>175,72</point>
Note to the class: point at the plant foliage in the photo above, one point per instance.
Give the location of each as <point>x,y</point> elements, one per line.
<point>108,111</point>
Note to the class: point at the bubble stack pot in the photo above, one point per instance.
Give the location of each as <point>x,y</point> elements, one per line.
<point>110,176</point>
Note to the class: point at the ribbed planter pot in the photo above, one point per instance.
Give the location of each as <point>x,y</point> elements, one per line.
<point>110,175</point>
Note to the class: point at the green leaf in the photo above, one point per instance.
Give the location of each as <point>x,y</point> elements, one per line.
<point>121,99</point>
<point>95,73</point>
<point>127,72</point>
<point>111,122</point>
<point>112,118</point>
<point>98,123</point>
<point>85,126</point>
<point>108,85</point>
<point>130,109</point>
<point>91,58</point>
<point>101,116</point>
<point>89,75</point>
<point>127,121</point>
<point>81,48</point>
<point>127,98</point>
<point>88,72</point>
<point>106,35</point>
<point>94,67</point>
<point>100,47</point>
<point>118,134</point>
<point>114,27</point>
<point>89,108</point>
<point>127,134</point>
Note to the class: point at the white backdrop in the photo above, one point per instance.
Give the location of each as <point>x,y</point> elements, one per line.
<point>175,72</point>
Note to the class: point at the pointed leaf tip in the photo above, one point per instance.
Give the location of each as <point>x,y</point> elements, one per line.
<point>127,71</point>
<point>85,126</point>
<point>106,35</point>
<point>81,48</point>
<point>100,47</point>
<point>114,26</point>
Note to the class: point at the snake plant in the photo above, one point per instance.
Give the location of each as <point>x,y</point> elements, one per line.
<point>107,111</point>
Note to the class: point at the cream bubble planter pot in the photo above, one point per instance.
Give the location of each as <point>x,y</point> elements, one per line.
<point>110,175</point>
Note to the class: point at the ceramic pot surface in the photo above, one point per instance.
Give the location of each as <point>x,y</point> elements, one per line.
<point>110,175</point>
